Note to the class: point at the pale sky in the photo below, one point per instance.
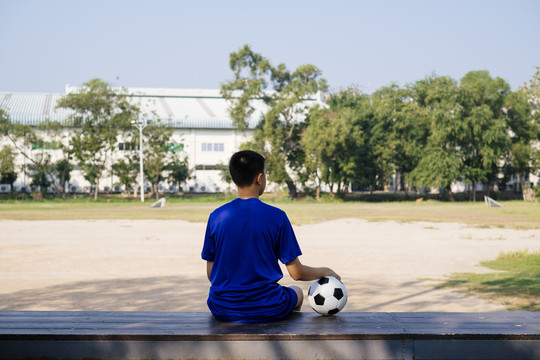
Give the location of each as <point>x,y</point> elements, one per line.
<point>46,44</point>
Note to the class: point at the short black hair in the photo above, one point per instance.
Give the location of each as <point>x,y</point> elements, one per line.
<point>244,166</point>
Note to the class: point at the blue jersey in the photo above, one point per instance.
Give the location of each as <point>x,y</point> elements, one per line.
<point>245,239</point>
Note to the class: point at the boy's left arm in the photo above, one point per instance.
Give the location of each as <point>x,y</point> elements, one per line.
<point>209,265</point>
<point>301,272</point>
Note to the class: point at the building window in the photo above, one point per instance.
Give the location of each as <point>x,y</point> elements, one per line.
<point>127,146</point>
<point>205,167</point>
<point>212,147</point>
<point>45,145</point>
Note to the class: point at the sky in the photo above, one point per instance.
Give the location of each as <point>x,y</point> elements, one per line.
<point>46,44</point>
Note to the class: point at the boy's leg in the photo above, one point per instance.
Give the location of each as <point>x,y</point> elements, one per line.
<point>300,295</point>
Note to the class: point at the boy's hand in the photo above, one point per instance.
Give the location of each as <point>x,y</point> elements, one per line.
<point>333,273</point>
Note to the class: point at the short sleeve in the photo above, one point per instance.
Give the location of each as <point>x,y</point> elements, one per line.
<point>209,246</point>
<point>288,248</point>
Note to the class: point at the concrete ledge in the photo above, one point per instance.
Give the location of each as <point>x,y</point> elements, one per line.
<point>168,335</point>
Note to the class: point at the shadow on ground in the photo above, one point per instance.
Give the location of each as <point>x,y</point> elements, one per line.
<point>167,293</point>
<point>184,293</point>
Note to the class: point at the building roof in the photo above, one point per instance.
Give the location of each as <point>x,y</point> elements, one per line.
<point>184,108</point>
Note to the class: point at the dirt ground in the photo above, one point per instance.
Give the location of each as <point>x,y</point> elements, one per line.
<point>153,265</point>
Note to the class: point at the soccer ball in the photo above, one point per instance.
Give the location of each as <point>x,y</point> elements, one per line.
<point>327,295</point>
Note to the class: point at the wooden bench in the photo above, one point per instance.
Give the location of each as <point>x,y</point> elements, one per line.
<point>180,335</point>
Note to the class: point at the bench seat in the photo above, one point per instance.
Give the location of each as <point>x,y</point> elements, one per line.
<point>307,335</point>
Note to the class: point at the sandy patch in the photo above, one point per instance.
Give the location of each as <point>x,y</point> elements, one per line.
<point>153,265</point>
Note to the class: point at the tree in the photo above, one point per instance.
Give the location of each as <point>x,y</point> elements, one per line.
<point>126,170</point>
<point>179,171</point>
<point>532,89</point>
<point>440,164</point>
<point>482,137</point>
<point>8,174</point>
<point>522,112</point>
<point>36,144</point>
<point>39,177</point>
<point>387,104</point>
<point>334,141</point>
<point>468,132</point>
<point>62,170</point>
<point>99,114</point>
<point>522,157</point>
<point>277,136</point>
<point>156,155</point>
<point>52,135</point>
<point>225,174</point>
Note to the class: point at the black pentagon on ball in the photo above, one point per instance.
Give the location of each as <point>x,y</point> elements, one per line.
<point>319,299</point>
<point>333,311</point>
<point>338,293</point>
<point>323,281</point>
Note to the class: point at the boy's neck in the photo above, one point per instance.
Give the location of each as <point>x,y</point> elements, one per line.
<point>250,192</point>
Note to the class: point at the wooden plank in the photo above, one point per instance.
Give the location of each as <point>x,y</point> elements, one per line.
<point>161,335</point>
<point>507,324</point>
<point>110,325</point>
<point>344,325</point>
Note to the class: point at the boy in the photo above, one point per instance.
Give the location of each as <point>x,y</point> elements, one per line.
<point>244,240</point>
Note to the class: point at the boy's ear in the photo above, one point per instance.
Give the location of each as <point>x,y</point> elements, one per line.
<point>258,178</point>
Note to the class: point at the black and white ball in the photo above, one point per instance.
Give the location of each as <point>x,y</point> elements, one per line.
<point>327,295</point>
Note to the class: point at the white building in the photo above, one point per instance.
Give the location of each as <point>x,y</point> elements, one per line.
<point>199,118</point>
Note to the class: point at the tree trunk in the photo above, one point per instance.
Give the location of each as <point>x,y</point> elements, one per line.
<point>402,186</point>
<point>449,194</point>
<point>318,192</point>
<point>293,193</point>
<point>474,191</point>
<point>96,190</point>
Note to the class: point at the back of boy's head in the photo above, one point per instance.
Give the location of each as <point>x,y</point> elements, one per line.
<point>244,166</point>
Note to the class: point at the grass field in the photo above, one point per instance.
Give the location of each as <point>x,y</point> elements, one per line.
<point>513,214</point>
<point>516,285</point>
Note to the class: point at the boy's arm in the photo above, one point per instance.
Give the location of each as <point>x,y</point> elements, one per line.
<point>299,271</point>
<point>209,265</point>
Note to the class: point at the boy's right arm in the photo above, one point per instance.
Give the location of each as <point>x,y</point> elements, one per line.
<point>301,272</point>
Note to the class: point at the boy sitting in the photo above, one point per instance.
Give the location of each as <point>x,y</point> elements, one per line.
<point>243,242</point>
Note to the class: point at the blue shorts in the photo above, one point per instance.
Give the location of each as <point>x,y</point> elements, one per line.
<point>256,312</point>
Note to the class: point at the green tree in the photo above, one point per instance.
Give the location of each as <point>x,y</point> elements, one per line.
<point>35,144</point>
<point>39,177</point>
<point>523,157</point>
<point>283,92</point>
<point>99,114</point>
<point>387,104</point>
<point>156,155</point>
<point>335,141</point>
<point>224,173</point>
<point>179,171</point>
<point>483,137</point>
<point>126,170</point>
<point>522,109</point>
<point>8,173</point>
<point>52,135</point>
<point>440,165</point>
<point>409,137</point>
<point>62,171</point>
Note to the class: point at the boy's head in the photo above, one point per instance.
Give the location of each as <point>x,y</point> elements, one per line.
<point>244,166</point>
